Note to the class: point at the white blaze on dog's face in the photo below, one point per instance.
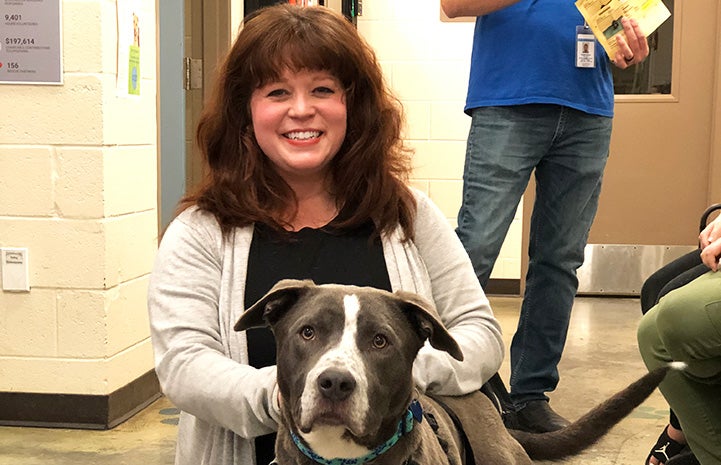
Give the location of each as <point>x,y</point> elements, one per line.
<point>344,367</point>
<point>340,369</point>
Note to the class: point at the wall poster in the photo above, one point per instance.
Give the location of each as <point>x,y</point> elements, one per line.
<point>130,19</point>
<point>30,42</point>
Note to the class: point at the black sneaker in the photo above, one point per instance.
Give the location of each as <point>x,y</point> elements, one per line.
<point>538,417</point>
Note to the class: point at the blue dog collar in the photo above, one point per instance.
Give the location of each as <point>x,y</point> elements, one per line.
<point>405,426</point>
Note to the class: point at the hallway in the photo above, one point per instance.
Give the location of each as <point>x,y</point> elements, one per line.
<point>600,358</point>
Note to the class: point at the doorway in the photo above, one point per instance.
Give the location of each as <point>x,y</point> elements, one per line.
<point>207,39</point>
<point>657,182</point>
<point>663,155</point>
<point>192,37</point>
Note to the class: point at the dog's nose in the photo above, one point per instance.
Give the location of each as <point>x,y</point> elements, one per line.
<point>336,385</point>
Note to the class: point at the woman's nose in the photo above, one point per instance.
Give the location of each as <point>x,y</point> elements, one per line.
<point>301,106</point>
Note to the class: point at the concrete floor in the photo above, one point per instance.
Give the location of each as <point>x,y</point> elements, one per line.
<point>601,357</point>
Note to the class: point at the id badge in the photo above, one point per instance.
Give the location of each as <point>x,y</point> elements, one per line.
<point>585,47</point>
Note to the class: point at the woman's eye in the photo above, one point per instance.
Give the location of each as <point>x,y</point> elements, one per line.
<point>379,341</point>
<point>277,93</point>
<point>324,90</point>
<point>307,333</point>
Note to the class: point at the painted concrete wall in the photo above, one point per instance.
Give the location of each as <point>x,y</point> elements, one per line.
<point>78,188</point>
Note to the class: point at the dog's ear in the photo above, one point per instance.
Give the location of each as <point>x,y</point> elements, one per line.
<point>425,317</point>
<point>273,305</point>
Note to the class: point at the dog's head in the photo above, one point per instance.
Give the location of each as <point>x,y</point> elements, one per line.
<point>345,353</point>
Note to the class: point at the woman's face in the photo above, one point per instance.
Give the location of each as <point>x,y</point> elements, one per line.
<point>300,123</point>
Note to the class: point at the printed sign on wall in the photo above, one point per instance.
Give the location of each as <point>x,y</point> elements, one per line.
<point>30,42</point>
<point>130,19</point>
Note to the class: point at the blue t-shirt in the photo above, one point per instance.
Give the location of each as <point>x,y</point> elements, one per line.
<point>526,53</point>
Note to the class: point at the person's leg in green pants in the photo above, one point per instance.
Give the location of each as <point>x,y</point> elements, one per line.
<point>686,326</point>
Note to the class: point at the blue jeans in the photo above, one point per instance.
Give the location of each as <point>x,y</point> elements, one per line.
<point>568,150</point>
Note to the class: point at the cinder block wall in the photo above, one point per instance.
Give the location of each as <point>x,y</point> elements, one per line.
<point>78,183</point>
<point>426,62</point>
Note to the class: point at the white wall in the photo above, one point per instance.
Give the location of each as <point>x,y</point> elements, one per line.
<point>78,188</point>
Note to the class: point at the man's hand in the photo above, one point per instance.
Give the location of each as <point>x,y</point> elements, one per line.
<point>632,45</point>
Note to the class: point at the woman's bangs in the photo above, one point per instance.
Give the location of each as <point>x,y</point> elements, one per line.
<point>299,54</point>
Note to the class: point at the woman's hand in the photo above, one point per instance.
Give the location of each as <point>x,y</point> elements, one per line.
<point>711,253</point>
<point>710,233</point>
<point>710,242</point>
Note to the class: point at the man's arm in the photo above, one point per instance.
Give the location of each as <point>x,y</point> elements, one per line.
<point>455,8</point>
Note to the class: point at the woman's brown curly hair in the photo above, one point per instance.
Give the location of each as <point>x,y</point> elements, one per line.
<point>370,171</point>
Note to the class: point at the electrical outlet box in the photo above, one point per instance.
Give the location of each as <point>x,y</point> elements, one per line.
<point>14,261</point>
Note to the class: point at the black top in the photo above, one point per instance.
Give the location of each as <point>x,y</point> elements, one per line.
<point>323,255</point>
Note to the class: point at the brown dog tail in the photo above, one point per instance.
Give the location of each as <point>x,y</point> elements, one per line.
<point>591,427</point>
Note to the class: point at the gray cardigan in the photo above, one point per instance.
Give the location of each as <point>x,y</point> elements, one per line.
<point>196,295</point>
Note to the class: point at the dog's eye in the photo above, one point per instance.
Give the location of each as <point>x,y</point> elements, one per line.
<point>307,333</point>
<point>379,341</point>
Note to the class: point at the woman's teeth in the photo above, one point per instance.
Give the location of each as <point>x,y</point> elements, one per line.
<point>302,135</point>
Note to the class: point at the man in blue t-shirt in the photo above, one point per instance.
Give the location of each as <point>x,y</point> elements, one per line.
<point>540,95</point>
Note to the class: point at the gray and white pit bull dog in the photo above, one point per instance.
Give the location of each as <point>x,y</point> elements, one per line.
<point>345,357</point>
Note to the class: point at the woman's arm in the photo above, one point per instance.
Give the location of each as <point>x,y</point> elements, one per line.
<point>190,342</point>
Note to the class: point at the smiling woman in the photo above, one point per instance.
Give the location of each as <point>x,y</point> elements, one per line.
<point>300,125</point>
<point>306,179</point>
<point>291,62</point>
